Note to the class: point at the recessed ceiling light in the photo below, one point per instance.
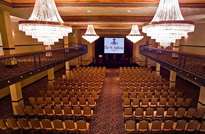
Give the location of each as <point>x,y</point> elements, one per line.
<point>88,11</point>
<point>128,11</point>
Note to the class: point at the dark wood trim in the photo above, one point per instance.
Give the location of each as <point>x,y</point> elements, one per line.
<point>98,4</point>
<point>51,79</point>
<point>201,103</point>
<point>8,48</point>
<point>191,46</point>
<point>29,45</point>
<point>17,100</point>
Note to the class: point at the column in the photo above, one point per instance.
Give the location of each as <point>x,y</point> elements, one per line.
<point>172,79</point>
<point>157,64</point>
<point>16,96</point>
<point>201,103</point>
<point>78,41</point>
<point>6,33</point>
<point>8,48</point>
<point>173,74</point>
<point>51,76</point>
<point>67,64</point>
<point>158,69</point>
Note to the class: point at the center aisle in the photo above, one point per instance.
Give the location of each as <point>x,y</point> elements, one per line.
<point>109,116</point>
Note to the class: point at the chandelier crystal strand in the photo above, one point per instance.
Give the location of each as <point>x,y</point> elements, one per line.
<point>168,24</point>
<point>90,34</point>
<point>45,23</point>
<point>134,34</point>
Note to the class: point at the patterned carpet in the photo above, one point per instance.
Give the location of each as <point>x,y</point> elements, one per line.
<point>108,119</point>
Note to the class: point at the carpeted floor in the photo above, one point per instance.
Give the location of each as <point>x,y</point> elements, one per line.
<point>109,116</point>
<point>108,119</point>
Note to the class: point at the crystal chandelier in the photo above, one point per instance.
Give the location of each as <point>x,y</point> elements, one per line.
<point>134,34</point>
<point>45,23</point>
<point>90,34</point>
<point>168,24</point>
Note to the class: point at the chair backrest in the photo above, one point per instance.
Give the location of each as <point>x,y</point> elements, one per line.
<point>181,111</point>
<point>58,110</point>
<point>145,101</point>
<point>154,101</point>
<point>202,127</point>
<point>130,124</point>
<point>160,111</point>
<point>191,112</point>
<point>74,101</point>
<point>168,125</point>
<point>24,123</point>
<point>192,126</point>
<point>48,110</point>
<point>67,110</point>
<point>187,102</point>
<point>149,111</point>
<point>69,124</point>
<point>163,101</point>
<point>136,101</point>
<point>87,110</point>
<point>58,124</point>
<point>20,110</point>
<point>32,100</point>
<point>3,125</point>
<point>127,101</point>
<point>156,125</point>
<point>139,111</point>
<point>180,125</point>
<point>35,123</point>
<point>170,111</point>
<point>38,109</point>
<point>82,101</point>
<point>77,110</point>
<point>91,101</point>
<point>200,113</point>
<point>57,100</point>
<point>12,124</point>
<point>143,125</point>
<point>81,124</point>
<point>46,124</point>
<point>128,111</point>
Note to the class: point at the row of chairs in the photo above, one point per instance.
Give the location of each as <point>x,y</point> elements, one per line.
<point>44,125</point>
<point>162,114</point>
<point>146,89</point>
<point>63,102</point>
<point>168,126</point>
<point>70,94</point>
<point>155,102</point>
<point>157,94</point>
<point>57,112</point>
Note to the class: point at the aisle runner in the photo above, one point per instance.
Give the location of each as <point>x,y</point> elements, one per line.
<point>109,119</point>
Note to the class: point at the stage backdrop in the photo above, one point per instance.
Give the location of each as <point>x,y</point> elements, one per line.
<point>99,50</point>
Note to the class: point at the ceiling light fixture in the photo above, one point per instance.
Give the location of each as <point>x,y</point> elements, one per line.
<point>90,34</point>
<point>134,34</point>
<point>45,23</point>
<point>168,24</point>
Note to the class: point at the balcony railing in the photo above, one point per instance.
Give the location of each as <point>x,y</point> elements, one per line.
<point>191,66</point>
<point>17,67</point>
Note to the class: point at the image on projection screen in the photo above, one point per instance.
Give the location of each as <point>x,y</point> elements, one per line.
<point>113,45</point>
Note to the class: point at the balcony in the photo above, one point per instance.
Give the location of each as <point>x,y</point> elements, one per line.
<point>191,66</point>
<point>17,67</point>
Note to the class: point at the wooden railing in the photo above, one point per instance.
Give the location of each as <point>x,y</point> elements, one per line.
<point>191,66</point>
<point>17,67</point>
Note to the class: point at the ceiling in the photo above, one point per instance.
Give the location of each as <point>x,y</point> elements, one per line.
<point>108,16</point>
